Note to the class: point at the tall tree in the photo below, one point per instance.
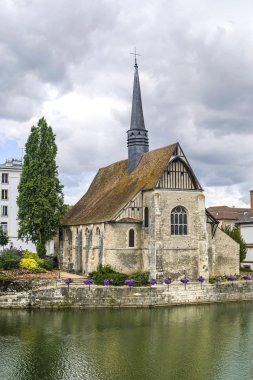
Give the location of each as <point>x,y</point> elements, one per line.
<point>40,199</point>
<point>3,237</point>
<point>235,234</point>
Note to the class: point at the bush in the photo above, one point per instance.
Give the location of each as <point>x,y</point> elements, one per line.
<point>9,259</point>
<point>29,264</point>
<point>48,263</point>
<point>33,256</point>
<point>141,278</point>
<point>104,272</point>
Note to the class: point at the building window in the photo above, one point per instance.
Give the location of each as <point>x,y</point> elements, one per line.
<point>4,210</point>
<point>4,227</point>
<point>179,221</point>
<point>131,238</point>
<point>4,177</point>
<point>4,194</point>
<point>97,236</point>
<point>146,216</point>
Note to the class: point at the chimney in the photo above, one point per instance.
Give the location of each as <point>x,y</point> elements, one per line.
<point>251,202</point>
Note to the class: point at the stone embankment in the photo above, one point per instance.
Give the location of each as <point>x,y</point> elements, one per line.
<point>54,294</point>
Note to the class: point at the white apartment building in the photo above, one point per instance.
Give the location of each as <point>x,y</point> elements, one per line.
<point>10,173</point>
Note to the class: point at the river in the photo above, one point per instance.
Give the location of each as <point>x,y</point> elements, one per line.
<point>208,342</point>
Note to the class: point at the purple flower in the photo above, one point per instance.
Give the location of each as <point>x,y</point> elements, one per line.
<point>153,282</point>
<point>231,278</point>
<point>247,278</point>
<point>68,281</point>
<point>130,282</point>
<point>167,281</point>
<point>201,279</point>
<point>107,282</point>
<point>184,281</point>
<point>88,281</point>
<point>218,279</point>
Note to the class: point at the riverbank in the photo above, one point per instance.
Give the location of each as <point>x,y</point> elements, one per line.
<point>54,294</point>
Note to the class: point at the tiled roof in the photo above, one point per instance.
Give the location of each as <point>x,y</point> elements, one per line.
<point>228,213</point>
<point>112,187</point>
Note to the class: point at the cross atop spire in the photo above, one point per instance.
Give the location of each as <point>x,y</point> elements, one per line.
<point>135,60</point>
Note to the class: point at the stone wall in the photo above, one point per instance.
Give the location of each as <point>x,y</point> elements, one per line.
<point>224,257</point>
<point>59,296</point>
<point>174,255</point>
<point>117,252</point>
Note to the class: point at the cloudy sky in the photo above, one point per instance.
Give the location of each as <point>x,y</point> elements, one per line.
<point>69,61</point>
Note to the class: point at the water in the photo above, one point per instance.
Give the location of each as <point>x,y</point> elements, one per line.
<point>189,343</point>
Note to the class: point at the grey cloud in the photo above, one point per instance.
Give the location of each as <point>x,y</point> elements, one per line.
<point>195,73</point>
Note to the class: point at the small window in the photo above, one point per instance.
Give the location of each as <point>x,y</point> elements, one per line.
<point>131,238</point>
<point>4,210</point>
<point>179,221</point>
<point>4,177</point>
<point>4,194</point>
<point>98,231</point>
<point>4,227</point>
<point>146,217</point>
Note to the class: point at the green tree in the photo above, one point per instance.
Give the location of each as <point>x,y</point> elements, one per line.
<point>3,237</point>
<point>235,234</point>
<point>40,199</point>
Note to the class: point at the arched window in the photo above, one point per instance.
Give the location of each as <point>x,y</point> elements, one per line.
<point>179,221</point>
<point>131,238</point>
<point>97,240</point>
<point>146,216</point>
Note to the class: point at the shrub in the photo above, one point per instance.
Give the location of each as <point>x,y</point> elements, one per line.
<point>33,256</point>
<point>9,259</point>
<point>29,264</point>
<point>141,278</point>
<point>118,279</point>
<point>104,272</point>
<point>48,263</point>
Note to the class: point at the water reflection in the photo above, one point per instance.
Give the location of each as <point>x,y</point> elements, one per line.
<point>193,342</point>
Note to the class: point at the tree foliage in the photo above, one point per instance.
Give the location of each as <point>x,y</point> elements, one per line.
<point>235,234</point>
<point>3,237</point>
<point>40,199</point>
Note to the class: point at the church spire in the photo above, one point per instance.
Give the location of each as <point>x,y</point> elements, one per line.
<point>137,140</point>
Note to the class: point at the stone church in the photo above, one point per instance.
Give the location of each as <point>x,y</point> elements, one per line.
<point>146,213</point>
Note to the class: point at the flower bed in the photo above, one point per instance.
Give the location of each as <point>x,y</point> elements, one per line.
<point>24,273</point>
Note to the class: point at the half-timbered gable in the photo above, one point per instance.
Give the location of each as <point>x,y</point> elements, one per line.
<point>133,209</point>
<point>178,173</point>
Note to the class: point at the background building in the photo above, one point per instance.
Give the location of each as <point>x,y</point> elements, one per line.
<point>228,216</point>
<point>243,218</point>
<point>10,173</point>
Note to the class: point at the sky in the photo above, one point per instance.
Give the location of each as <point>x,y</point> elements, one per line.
<point>69,61</point>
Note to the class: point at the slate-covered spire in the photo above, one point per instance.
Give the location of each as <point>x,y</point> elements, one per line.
<point>137,136</point>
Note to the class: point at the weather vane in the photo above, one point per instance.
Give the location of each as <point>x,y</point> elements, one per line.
<point>135,60</point>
